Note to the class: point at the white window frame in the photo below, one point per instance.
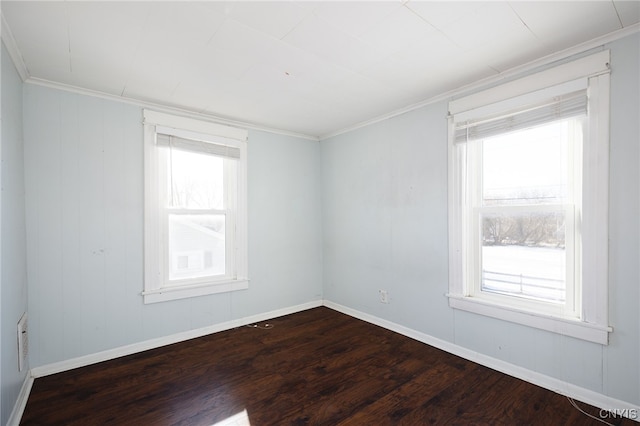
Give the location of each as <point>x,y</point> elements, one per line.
<point>157,287</point>
<point>589,321</point>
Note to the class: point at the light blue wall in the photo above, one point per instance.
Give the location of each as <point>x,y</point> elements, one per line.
<point>385,227</point>
<point>621,359</point>
<point>84,210</point>
<point>385,220</point>
<point>13,294</point>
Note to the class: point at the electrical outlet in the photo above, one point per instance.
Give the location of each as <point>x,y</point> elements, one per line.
<point>23,342</point>
<point>384,296</point>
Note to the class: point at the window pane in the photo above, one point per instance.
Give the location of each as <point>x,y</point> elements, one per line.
<point>530,166</point>
<point>195,181</point>
<point>196,246</point>
<point>523,254</point>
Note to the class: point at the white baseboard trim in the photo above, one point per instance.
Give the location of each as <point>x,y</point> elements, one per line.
<point>21,402</point>
<point>604,402</point>
<point>596,399</point>
<point>109,354</point>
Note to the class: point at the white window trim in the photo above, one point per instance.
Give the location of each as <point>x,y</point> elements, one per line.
<point>154,268</point>
<point>593,322</point>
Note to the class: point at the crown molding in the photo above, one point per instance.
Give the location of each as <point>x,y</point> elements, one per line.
<point>12,48</point>
<point>512,72</point>
<point>167,109</point>
<point>23,71</point>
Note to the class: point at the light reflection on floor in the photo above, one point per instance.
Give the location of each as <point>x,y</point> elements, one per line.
<point>240,419</point>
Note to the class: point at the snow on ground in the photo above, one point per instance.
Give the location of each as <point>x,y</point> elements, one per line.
<point>537,272</point>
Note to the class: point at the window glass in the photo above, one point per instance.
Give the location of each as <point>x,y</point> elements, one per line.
<point>524,254</point>
<point>195,180</point>
<point>523,244</point>
<point>528,166</point>
<point>196,245</point>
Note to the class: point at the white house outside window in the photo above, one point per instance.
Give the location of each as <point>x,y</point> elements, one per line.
<point>195,208</point>
<point>528,200</point>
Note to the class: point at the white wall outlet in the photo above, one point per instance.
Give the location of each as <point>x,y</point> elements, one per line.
<point>23,342</point>
<point>384,296</point>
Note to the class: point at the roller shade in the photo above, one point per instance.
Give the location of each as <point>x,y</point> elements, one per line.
<point>557,108</point>
<point>176,142</point>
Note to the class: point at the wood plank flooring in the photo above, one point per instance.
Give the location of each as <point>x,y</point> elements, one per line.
<point>316,367</point>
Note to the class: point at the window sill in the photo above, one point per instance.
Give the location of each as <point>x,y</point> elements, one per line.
<point>182,292</point>
<point>568,327</point>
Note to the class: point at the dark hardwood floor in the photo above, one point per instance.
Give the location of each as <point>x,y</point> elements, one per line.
<point>317,367</point>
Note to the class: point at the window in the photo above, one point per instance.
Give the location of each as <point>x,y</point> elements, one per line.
<point>528,184</point>
<point>195,208</point>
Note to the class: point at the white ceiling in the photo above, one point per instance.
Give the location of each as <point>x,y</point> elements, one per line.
<point>312,68</point>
